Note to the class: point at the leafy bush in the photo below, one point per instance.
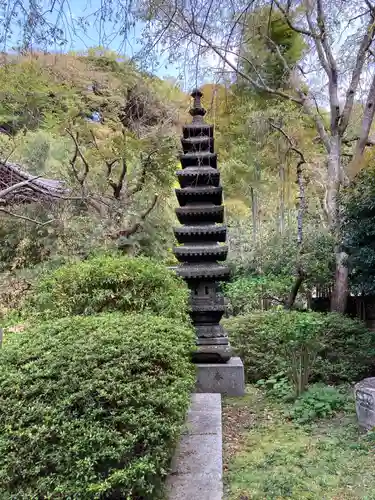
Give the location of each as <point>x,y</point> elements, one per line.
<point>319,401</point>
<point>277,254</point>
<point>358,230</point>
<point>277,386</point>
<point>345,349</point>
<point>246,293</point>
<point>91,407</point>
<point>110,283</point>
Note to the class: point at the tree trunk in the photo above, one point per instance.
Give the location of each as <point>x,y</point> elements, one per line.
<point>294,291</point>
<point>282,198</point>
<point>340,288</point>
<point>339,297</point>
<point>254,213</point>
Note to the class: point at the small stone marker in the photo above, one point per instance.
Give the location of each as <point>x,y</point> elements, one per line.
<point>1,336</point>
<point>364,393</point>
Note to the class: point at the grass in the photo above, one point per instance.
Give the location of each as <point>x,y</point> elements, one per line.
<point>268,457</point>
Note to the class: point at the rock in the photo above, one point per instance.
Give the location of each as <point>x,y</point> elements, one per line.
<point>364,393</point>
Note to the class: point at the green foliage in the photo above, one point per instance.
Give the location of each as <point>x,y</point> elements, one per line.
<point>30,98</point>
<point>274,458</point>
<point>246,294</point>
<point>358,226</point>
<point>277,386</point>
<point>335,348</point>
<point>277,255</point>
<point>319,401</point>
<point>92,406</point>
<point>347,351</point>
<point>26,244</point>
<point>108,283</point>
<point>261,26</point>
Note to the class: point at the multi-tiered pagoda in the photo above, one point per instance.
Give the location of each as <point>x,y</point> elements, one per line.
<point>202,235</point>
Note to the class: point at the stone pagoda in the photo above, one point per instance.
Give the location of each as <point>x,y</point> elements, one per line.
<point>201,236</point>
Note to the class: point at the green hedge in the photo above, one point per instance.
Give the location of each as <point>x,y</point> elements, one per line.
<point>346,350</point>
<point>109,283</point>
<point>91,407</point>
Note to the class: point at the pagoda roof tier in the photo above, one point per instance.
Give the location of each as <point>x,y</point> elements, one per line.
<point>208,232</point>
<point>200,213</point>
<point>204,271</point>
<point>193,176</point>
<point>200,194</point>
<point>198,129</point>
<point>197,144</point>
<point>195,253</point>
<point>203,159</point>
<point>207,307</point>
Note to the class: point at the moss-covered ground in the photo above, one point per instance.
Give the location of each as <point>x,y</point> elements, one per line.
<point>266,456</point>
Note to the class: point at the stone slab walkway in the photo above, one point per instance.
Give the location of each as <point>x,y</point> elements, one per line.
<point>197,465</point>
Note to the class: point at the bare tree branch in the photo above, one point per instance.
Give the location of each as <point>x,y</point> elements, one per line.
<point>78,153</point>
<point>305,101</point>
<point>142,177</point>
<point>289,22</point>
<point>23,217</point>
<point>137,225</point>
<point>364,47</point>
<point>367,120</point>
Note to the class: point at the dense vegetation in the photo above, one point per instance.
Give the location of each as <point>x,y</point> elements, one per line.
<point>269,454</point>
<point>331,347</point>
<point>298,178</point>
<point>106,284</point>
<point>93,406</point>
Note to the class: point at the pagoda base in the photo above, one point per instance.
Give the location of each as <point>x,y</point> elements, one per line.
<point>223,378</point>
<point>212,351</point>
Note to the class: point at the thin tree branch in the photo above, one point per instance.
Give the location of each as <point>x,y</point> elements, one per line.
<point>367,120</point>
<point>142,177</point>
<point>77,152</point>
<point>356,75</point>
<point>305,101</point>
<point>285,13</point>
<point>137,225</point>
<point>23,217</point>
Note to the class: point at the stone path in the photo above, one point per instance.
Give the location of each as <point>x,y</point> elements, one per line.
<point>197,465</point>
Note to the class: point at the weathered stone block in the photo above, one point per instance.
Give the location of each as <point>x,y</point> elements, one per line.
<point>224,378</point>
<point>364,393</point>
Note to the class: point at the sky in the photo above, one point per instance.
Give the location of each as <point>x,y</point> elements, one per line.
<point>95,34</point>
<point>104,34</point>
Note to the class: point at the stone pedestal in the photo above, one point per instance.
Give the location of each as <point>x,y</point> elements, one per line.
<point>364,393</point>
<point>223,378</point>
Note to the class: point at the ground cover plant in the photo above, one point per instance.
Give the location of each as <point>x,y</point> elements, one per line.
<point>267,455</point>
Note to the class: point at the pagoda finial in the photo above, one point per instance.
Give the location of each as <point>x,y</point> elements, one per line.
<point>197,111</point>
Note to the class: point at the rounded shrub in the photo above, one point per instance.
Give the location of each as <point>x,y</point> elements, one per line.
<point>91,407</point>
<point>347,350</point>
<point>344,349</point>
<point>109,283</point>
